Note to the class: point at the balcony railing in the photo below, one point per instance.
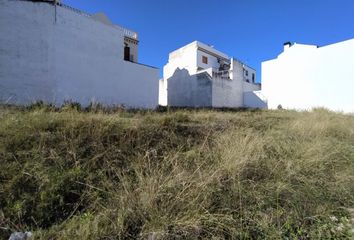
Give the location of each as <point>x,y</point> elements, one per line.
<point>224,74</point>
<point>216,73</point>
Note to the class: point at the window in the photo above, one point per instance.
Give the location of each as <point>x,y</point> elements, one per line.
<point>246,73</point>
<point>204,59</point>
<point>126,53</point>
<point>253,77</point>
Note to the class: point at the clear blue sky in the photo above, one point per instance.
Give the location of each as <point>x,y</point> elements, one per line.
<point>249,30</point>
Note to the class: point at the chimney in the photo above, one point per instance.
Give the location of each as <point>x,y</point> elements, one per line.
<point>287,45</point>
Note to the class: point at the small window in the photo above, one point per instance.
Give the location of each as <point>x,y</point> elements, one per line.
<point>253,77</point>
<point>246,73</point>
<point>127,53</point>
<point>205,60</point>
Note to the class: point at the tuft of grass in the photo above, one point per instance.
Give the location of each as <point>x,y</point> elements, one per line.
<point>100,173</point>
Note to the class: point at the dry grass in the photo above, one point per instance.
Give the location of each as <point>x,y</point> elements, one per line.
<point>68,174</point>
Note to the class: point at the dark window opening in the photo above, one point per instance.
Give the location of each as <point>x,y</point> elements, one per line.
<point>246,73</point>
<point>205,60</point>
<point>253,77</point>
<point>127,53</point>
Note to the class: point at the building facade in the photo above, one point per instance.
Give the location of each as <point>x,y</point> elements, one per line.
<point>197,75</point>
<point>307,76</point>
<point>55,53</point>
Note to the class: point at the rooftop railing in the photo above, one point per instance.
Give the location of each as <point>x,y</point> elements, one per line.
<point>126,32</point>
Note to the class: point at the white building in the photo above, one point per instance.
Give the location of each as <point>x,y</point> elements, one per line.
<point>197,75</point>
<point>52,52</point>
<point>308,76</point>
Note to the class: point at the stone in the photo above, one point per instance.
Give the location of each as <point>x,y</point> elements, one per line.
<point>20,236</point>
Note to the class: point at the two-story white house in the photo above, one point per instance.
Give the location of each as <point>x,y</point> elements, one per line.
<point>54,53</point>
<point>198,75</point>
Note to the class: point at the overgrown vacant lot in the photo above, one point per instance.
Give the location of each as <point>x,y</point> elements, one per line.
<point>69,174</point>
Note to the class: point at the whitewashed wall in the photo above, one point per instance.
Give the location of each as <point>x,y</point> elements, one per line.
<point>229,92</point>
<point>212,61</point>
<point>187,90</point>
<point>305,76</point>
<point>254,99</point>
<point>56,55</point>
<point>250,87</point>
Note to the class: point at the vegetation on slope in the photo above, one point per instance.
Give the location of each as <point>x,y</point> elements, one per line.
<point>72,174</point>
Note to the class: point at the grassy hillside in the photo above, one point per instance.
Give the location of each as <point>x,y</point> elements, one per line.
<point>69,174</point>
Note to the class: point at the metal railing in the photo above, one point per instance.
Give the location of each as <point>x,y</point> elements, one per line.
<point>224,74</point>
<point>82,13</point>
<point>216,73</point>
<point>126,32</point>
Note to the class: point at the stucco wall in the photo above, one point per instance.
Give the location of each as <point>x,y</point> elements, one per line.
<point>304,77</point>
<point>212,61</point>
<point>57,55</point>
<point>250,87</point>
<point>185,90</point>
<point>26,59</point>
<point>183,58</point>
<point>254,99</point>
<point>229,92</point>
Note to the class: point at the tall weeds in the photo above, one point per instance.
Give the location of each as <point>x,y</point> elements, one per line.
<point>184,174</point>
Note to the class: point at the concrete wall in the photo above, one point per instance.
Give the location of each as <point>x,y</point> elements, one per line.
<point>183,58</point>
<point>57,54</point>
<point>305,76</point>
<point>185,90</point>
<point>229,92</point>
<point>250,87</point>
<point>254,99</point>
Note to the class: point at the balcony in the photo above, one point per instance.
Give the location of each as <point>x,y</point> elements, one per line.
<point>216,73</point>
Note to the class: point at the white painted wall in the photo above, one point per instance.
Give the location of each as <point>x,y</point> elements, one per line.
<point>185,90</point>
<point>183,58</point>
<point>250,87</point>
<point>212,61</point>
<point>248,72</point>
<point>254,99</point>
<point>229,92</point>
<point>61,55</point>
<point>305,76</point>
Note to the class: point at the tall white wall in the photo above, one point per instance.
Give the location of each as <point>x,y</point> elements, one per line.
<point>304,77</point>
<point>57,54</point>
<point>26,52</point>
<point>250,87</point>
<point>185,90</point>
<point>229,92</point>
<point>183,58</point>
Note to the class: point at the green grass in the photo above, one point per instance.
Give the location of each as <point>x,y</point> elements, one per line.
<point>182,174</point>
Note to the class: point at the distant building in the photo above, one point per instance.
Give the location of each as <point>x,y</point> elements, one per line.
<point>53,52</point>
<point>197,75</point>
<point>308,76</point>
